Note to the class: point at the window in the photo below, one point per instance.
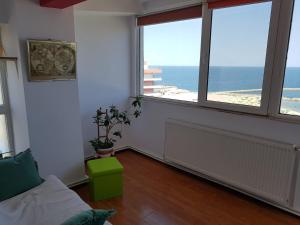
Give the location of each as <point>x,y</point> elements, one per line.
<point>171,58</point>
<point>239,38</point>
<point>6,143</point>
<point>290,100</point>
<point>231,56</point>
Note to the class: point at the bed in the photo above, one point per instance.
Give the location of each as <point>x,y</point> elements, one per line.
<point>50,203</point>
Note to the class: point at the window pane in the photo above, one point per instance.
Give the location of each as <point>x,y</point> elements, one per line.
<point>290,102</point>
<point>4,144</point>
<point>172,57</point>
<point>2,66</point>
<point>238,52</point>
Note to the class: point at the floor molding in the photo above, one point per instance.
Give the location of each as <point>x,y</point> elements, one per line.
<point>151,155</point>
<point>80,182</point>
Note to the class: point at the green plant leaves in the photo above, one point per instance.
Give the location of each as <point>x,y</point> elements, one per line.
<point>117,134</point>
<point>137,101</point>
<point>98,144</point>
<point>109,118</point>
<point>137,113</point>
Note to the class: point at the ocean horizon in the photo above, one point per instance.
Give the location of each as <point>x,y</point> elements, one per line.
<point>222,78</point>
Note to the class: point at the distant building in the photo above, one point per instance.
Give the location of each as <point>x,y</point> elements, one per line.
<point>150,88</point>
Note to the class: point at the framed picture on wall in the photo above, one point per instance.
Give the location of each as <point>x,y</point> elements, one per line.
<point>51,60</point>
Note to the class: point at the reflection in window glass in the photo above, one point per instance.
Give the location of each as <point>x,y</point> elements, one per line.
<point>172,56</point>
<point>290,102</point>
<point>238,52</point>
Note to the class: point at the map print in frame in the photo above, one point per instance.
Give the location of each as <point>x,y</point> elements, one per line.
<point>51,60</point>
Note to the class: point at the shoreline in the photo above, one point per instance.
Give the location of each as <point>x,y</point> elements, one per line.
<point>240,97</point>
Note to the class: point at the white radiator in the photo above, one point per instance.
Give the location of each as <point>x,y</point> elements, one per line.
<point>258,166</point>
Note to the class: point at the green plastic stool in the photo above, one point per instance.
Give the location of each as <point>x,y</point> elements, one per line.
<point>106,178</point>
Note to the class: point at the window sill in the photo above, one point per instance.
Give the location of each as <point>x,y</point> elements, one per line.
<point>279,117</point>
<point>171,101</point>
<point>8,58</point>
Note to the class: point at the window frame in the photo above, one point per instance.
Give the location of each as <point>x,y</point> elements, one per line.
<point>281,54</point>
<point>5,108</point>
<point>274,70</point>
<point>140,68</point>
<point>140,62</point>
<point>205,57</point>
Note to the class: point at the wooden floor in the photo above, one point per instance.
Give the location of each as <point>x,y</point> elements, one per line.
<point>156,194</point>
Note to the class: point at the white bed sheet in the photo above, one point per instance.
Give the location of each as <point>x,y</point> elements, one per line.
<point>51,203</point>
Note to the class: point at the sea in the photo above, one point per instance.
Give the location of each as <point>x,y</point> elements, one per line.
<point>248,79</point>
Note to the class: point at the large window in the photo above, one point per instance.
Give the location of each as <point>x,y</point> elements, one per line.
<point>171,57</point>
<point>290,102</point>
<point>6,142</point>
<point>231,56</point>
<point>239,37</point>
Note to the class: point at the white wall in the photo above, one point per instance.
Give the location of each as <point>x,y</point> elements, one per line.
<point>103,68</point>
<point>18,108</point>
<point>5,10</point>
<point>52,107</point>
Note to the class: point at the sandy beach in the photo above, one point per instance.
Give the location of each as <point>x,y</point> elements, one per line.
<point>234,97</point>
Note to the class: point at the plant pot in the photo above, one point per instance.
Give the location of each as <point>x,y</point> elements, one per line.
<point>104,152</point>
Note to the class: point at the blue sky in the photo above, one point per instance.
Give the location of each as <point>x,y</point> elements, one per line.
<point>239,38</point>
<point>294,47</point>
<point>173,43</point>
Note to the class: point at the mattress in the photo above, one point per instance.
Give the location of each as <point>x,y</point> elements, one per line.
<point>50,203</point>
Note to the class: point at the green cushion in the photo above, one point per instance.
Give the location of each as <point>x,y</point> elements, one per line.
<point>104,166</point>
<point>90,217</point>
<point>17,175</point>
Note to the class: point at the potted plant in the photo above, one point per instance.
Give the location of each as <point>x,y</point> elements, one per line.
<point>109,122</point>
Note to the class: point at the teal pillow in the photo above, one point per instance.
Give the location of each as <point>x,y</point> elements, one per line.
<point>17,175</point>
<point>90,217</point>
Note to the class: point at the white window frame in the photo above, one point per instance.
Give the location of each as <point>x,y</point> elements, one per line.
<point>281,53</point>
<point>140,80</point>
<point>205,56</point>
<point>140,70</point>
<point>274,71</point>
<point>5,108</point>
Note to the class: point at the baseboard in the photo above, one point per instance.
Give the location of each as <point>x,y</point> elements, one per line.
<point>80,182</point>
<point>151,155</point>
